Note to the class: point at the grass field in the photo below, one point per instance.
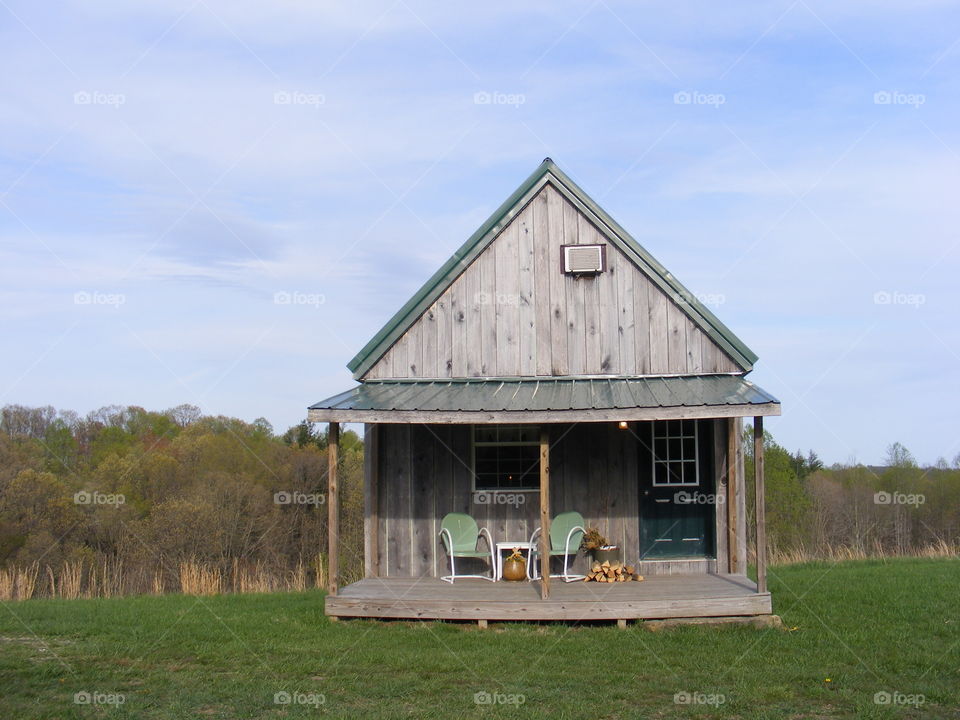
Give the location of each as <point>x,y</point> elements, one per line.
<point>860,634</point>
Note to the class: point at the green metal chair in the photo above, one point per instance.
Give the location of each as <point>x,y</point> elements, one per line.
<point>566,534</point>
<point>461,537</point>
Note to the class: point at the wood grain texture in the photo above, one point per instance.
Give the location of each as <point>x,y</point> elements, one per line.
<point>542,301</point>
<point>733,559</point>
<point>526,309</point>
<point>444,344</point>
<point>558,361</point>
<point>458,330</point>
<point>761,525</point>
<point>658,596</point>
<point>544,514</point>
<point>371,511</point>
<point>720,473</point>
<point>626,322</point>
<point>506,299</point>
<point>486,297</point>
<point>513,313</point>
<point>333,508</point>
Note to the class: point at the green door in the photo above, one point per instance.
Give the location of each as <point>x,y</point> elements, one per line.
<point>677,501</point>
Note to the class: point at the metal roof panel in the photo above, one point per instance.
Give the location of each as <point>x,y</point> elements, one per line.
<point>549,394</point>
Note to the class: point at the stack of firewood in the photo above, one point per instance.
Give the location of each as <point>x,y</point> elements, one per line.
<point>612,572</point>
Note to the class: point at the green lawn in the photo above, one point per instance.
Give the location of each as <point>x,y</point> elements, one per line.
<point>856,629</point>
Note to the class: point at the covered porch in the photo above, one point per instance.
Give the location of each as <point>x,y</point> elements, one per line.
<point>594,456</point>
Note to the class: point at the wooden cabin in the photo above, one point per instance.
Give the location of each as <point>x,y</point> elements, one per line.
<point>552,365</point>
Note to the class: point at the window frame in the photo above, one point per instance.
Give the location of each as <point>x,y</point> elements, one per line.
<point>683,460</point>
<point>473,458</point>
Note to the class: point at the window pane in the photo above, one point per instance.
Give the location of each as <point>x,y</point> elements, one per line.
<point>660,449</point>
<point>504,458</point>
<point>485,433</point>
<point>529,433</point>
<point>660,474</point>
<point>676,449</point>
<point>676,473</point>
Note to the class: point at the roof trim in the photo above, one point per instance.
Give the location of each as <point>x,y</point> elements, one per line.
<point>541,417</point>
<point>498,220</point>
<point>547,400</point>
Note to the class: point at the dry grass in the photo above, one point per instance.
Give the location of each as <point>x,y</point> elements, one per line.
<point>70,584</point>
<point>159,584</point>
<point>840,553</point>
<point>197,579</point>
<point>109,578</point>
<point>18,583</point>
<point>320,571</point>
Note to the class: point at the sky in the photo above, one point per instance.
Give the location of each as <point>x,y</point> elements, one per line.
<point>219,203</point>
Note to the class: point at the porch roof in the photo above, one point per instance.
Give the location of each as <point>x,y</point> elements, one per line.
<point>545,400</point>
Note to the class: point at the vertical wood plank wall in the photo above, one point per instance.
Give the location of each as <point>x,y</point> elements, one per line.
<point>512,312</point>
<point>741,498</point>
<point>371,552</point>
<point>424,472</point>
<point>720,459</point>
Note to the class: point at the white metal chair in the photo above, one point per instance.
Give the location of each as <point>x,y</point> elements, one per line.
<point>461,537</point>
<point>566,534</point>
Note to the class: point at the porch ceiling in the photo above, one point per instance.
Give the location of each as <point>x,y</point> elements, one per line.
<point>546,400</point>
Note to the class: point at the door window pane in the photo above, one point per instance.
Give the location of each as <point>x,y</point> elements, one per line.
<point>675,458</point>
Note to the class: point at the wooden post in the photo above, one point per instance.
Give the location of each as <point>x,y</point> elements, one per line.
<point>761,513</point>
<point>333,508</point>
<point>544,514</point>
<point>732,544</point>
<point>371,496</point>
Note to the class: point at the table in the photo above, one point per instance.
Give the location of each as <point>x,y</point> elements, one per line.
<point>509,546</point>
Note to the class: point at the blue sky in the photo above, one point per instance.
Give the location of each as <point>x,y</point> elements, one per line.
<point>167,168</point>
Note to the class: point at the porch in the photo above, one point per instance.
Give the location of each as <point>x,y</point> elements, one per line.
<point>656,597</point>
<point>623,453</point>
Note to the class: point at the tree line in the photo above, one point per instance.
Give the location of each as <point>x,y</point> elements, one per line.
<point>126,500</point>
<point>852,511</point>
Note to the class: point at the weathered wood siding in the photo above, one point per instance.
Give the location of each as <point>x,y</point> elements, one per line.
<point>424,472</point>
<point>512,312</point>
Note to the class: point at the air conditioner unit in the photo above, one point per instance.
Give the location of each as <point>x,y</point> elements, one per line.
<point>584,259</point>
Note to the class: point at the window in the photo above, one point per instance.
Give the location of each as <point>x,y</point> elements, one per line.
<point>674,445</point>
<point>506,457</point>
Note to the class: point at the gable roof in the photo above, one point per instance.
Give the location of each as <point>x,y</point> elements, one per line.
<point>548,172</point>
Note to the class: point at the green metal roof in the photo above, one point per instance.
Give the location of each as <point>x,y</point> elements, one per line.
<point>488,231</point>
<point>539,399</point>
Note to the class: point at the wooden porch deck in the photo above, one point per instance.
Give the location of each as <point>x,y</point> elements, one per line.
<point>657,597</point>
